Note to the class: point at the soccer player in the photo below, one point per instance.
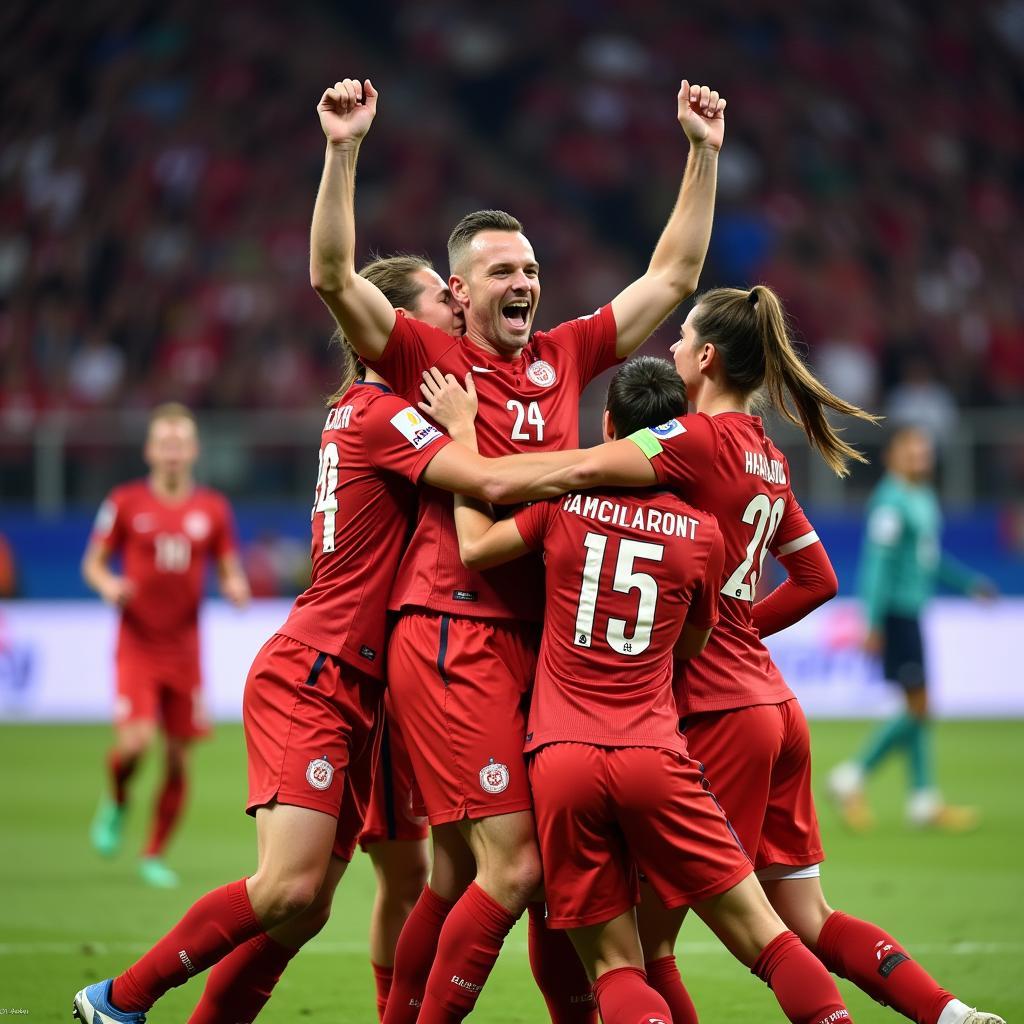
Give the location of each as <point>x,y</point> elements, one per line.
<point>630,576</point>
<point>311,708</point>
<point>902,562</point>
<point>465,641</point>
<point>740,718</point>
<point>165,530</point>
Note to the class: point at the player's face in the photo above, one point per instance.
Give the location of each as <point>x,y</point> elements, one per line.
<point>435,305</point>
<point>172,447</point>
<point>686,354</point>
<point>500,290</point>
<point>913,456</point>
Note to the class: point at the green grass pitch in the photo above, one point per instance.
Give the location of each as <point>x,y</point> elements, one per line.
<point>68,918</point>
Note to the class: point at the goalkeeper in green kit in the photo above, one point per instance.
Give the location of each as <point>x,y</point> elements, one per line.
<point>901,564</point>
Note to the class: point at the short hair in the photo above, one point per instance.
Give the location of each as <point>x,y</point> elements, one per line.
<point>393,275</point>
<point>171,411</point>
<point>645,392</point>
<point>470,226</point>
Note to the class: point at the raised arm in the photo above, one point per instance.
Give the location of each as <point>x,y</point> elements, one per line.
<point>675,266</point>
<point>361,310</point>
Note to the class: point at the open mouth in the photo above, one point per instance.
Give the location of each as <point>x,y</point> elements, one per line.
<point>516,313</point>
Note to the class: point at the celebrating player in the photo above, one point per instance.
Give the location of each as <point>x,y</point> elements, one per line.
<point>612,783</point>
<point>901,564</point>
<point>165,530</point>
<point>465,640</point>
<point>311,708</point>
<point>740,718</point>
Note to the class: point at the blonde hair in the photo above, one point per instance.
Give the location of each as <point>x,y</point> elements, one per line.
<point>171,411</point>
<point>750,334</point>
<point>393,276</point>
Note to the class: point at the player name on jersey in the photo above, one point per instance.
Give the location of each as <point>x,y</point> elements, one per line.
<point>771,470</point>
<point>338,418</point>
<point>650,520</point>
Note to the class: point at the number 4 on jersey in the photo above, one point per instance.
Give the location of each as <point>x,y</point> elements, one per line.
<point>764,515</point>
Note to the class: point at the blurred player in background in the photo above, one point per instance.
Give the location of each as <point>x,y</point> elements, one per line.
<point>902,562</point>
<point>462,653</point>
<point>166,530</point>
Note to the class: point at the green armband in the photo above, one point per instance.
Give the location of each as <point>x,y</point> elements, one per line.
<point>646,442</point>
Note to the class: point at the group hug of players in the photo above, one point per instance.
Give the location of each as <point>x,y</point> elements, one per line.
<point>595,726</point>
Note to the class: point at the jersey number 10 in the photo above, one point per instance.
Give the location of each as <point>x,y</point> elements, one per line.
<point>764,515</point>
<point>624,581</point>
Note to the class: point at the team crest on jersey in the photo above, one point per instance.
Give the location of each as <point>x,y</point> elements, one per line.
<point>541,373</point>
<point>414,428</point>
<point>494,777</point>
<point>320,773</point>
<point>196,524</point>
<point>670,429</point>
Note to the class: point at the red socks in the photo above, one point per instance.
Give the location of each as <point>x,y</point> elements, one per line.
<point>469,944</point>
<point>804,989</point>
<point>663,977</point>
<point>212,927</point>
<point>121,770</point>
<point>624,997</point>
<point>414,956</point>
<point>878,965</point>
<point>166,813</point>
<point>240,985</point>
<point>558,972</point>
<point>382,979</point>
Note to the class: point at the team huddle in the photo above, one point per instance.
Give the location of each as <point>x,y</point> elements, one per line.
<point>567,646</point>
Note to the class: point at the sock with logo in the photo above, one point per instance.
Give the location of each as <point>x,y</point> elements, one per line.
<point>804,989</point>
<point>241,984</point>
<point>469,944</point>
<point>878,965</point>
<point>663,977</point>
<point>558,972</point>
<point>382,981</point>
<point>166,813</point>
<point>414,956</point>
<point>121,770</point>
<point>624,997</point>
<point>211,928</point>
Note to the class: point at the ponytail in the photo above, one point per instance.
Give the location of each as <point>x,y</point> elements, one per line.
<point>749,331</point>
<point>351,367</point>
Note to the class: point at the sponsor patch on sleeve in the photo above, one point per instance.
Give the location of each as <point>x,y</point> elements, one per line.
<point>414,428</point>
<point>105,517</point>
<point>671,429</point>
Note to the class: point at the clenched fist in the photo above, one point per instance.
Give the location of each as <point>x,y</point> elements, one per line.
<point>347,111</point>
<point>701,112</point>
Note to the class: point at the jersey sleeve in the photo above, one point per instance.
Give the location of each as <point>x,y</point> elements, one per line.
<point>412,348</point>
<point>109,526</point>
<point>703,613</point>
<point>399,440</point>
<point>795,531</point>
<point>879,558</point>
<point>592,342</point>
<point>533,521</point>
<point>810,581</point>
<point>681,450</point>
<point>225,540</point>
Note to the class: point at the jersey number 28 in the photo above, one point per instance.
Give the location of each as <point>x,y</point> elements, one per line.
<point>764,515</point>
<point>624,581</point>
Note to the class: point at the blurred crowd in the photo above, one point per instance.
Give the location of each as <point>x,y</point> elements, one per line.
<point>158,165</point>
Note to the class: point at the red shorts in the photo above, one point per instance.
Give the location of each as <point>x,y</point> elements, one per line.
<point>154,688</point>
<point>396,808</point>
<point>604,812</point>
<point>458,689</point>
<point>312,727</point>
<point>758,764</point>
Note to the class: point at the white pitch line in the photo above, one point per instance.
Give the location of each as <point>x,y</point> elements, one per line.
<point>86,949</point>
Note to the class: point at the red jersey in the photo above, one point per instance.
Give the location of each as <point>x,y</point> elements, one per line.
<point>164,548</point>
<point>373,449</point>
<point>728,465</point>
<point>530,403</point>
<point>624,570</point>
